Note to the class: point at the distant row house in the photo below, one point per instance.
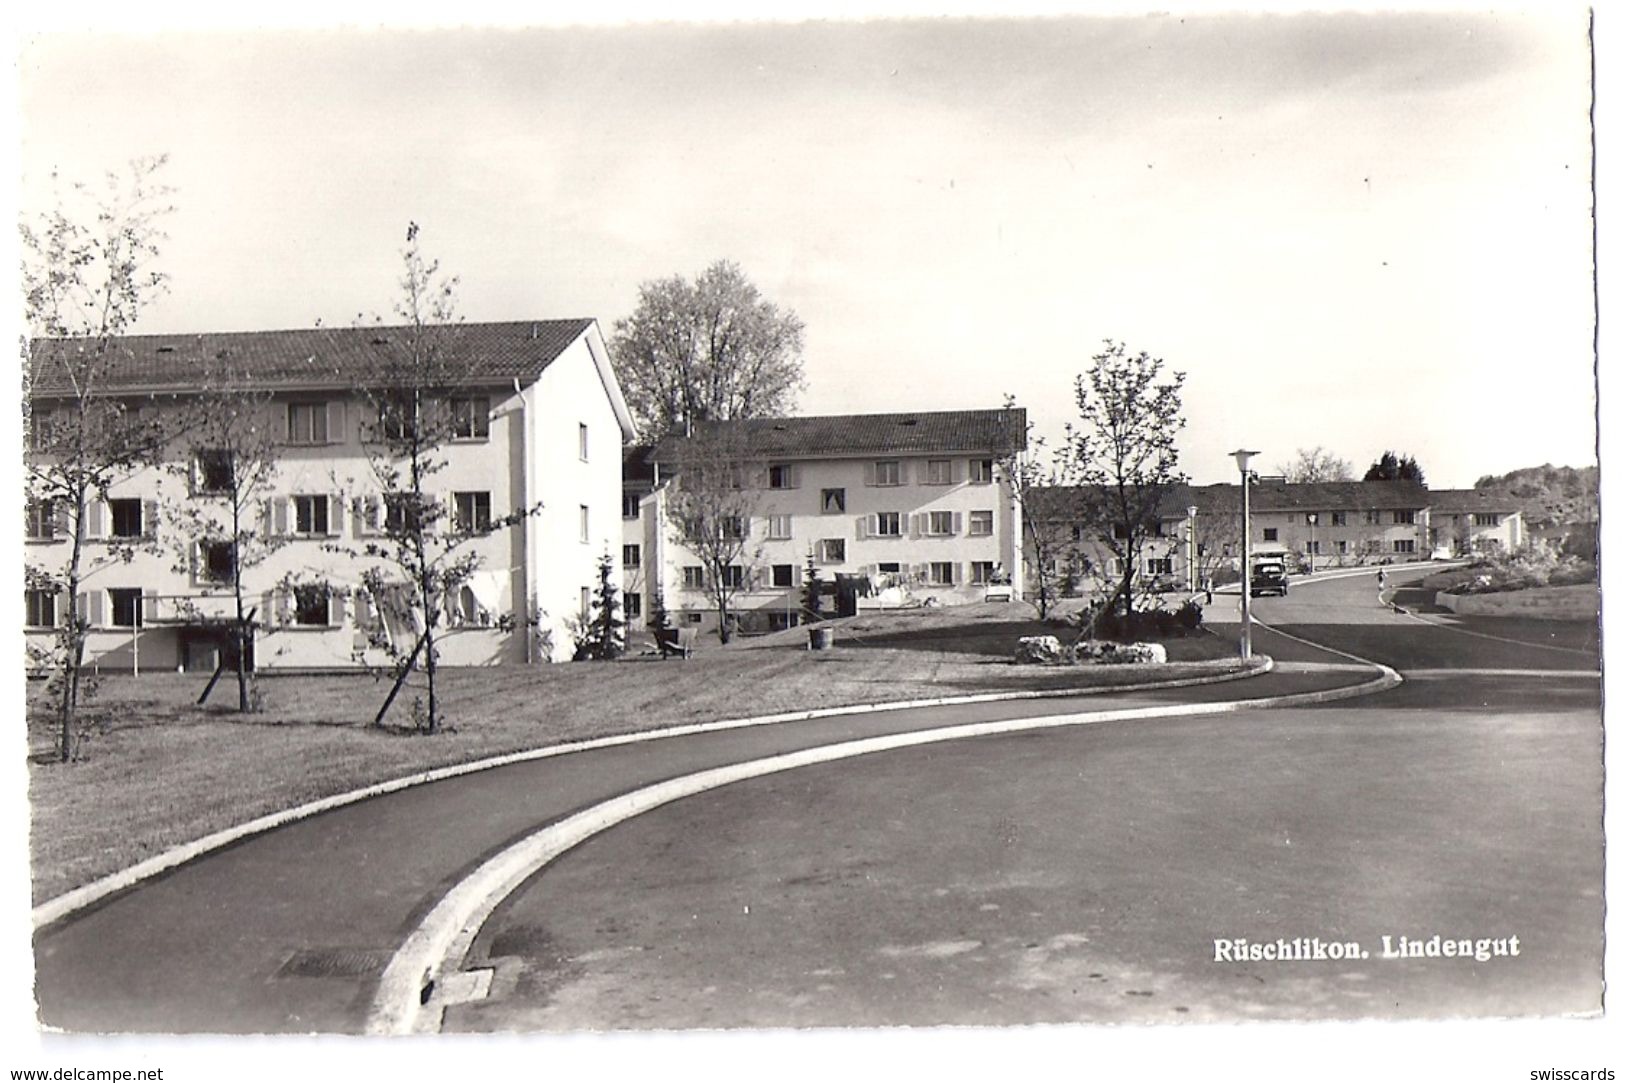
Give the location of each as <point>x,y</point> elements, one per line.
<point>908,508</point>
<point>540,423</point>
<point>1197,533</point>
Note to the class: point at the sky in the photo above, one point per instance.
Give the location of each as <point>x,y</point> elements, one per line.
<point>1355,231</point>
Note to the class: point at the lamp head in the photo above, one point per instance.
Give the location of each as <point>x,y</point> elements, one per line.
<point>1242,459</point>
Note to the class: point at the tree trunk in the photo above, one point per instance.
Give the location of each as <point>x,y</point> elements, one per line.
<point>73,659</point>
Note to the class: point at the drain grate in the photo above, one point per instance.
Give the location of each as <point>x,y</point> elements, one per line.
<point>334,963</point>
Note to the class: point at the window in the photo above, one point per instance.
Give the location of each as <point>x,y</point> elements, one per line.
<point>1373,517</point>
<point>832,551</point>
<point>981,572</point>
<point>693,577</point>
<point>472,512</point>
<point>307,422</point>
<point>1405,516</point>
<point>779,527</point>
<point>779,622</point>
<point>126,602</point>
<point>733,577</point>
<point>1272,533</point>
<point>784,575</point>
<point>217,561</point>
<point>586,524</point>
<point>471,419</point>
<point>1486,518</point>
<point>939,471</point>
<point>1340,518</point>
<point>40,434</point>
<point>586,602</point>
<point>888,472</point>
<point>693,618</point>
<point>981,523</point>
<point>629,505</point>
<point>832,500</point>
<point>1314,547</point>
<point>981,471</point>
<point>942,573</point>
<point>1404,545</point>
<point>402,513</point>
<point>731,527</point>
<point>396,418</point>
<point>889,567</point>
<point>631,556</point>
<point>634,605</point>
<point>581,438</point>
<point>42,519</point>
<point>1120,531</point>
<point>888,524</point>
<point>1159,566</point>
<point>940,523</point>
<point>41,607</point>
<point>1342,547</point>
<point>126,515</point>
<point>782,476</point>
<point>212,471</point>
<point>310,515</point>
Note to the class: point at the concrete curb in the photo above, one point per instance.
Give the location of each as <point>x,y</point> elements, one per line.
<point>71,902</point>
<point>404,1002</point>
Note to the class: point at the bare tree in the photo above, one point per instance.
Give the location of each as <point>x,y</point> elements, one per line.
<point>1044,483</point>
<point>709,350</point>
<point>88,271</point>
<point>1316,464</point>
<point>710,506</point>
<point>224,522</point>
<point>419,552</point>
<point>1126,456</point>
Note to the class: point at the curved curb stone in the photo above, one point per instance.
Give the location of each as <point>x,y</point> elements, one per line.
<point>71,902</point>
<point>405,999</point>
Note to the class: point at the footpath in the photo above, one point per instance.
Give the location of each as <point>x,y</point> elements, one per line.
<point>291,930</point>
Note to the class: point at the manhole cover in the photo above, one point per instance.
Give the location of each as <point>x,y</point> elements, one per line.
<point>334,963</point>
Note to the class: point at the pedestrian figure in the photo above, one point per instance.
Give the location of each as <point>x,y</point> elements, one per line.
<point>1382,577</point>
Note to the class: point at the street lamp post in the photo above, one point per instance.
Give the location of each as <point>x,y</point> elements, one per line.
<point>1313,517</point>
<point>1190,567</point>
<point>1243,458</point>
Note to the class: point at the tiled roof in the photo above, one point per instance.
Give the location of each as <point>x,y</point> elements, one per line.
<point>313,358</point>
<point>1460,500</point>
<point>636,466</point>
<point>994,432</point>
<point>1278,496</point>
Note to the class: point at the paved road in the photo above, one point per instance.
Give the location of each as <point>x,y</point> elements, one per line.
<point>1084,874</point>
<point>289,930</point>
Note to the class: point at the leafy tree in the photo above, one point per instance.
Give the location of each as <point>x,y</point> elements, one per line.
<point>1126,457</point>
<point>422,553</point>
<point>1393,467</point>
<point>709,350</point>
<point>228,464</point>
<point>1316,464</point>
<point>88,271</point>
<point>1045,484</point>
<point>606,631</point>
<point>710,506</point>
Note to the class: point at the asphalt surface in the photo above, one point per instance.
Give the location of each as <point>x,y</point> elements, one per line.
<point>288,931</point>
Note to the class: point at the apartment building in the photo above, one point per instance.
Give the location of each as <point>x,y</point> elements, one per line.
<point>914,504</point>
<point>1197,535</point>
<point>540,424</point>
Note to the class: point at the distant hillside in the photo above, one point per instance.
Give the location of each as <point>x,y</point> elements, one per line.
<point>1548,494</point>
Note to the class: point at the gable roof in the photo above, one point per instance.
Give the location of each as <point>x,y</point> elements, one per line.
<point>1462,500</point>
<point>315,358</point>
<point>921,432</point>
<point>1276,496</point>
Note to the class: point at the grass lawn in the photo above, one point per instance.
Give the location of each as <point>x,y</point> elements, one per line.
<point>155,771</point>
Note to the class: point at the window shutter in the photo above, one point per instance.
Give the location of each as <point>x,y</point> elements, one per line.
<point>97,608</point>
<point>61,611</point>
<point>959,523</point>
<point>266,518</point>
<point>956,471</point>
<point>149,518</point>
<point>336,433</point>
<point>149,605</point>
<point>192,562</point>
<point>902,471</point>
<point>922,572</point>
<point>81,605</point>
<point>795,575</point>
<point>268,607</point>
<point>282,607</point>
<point>279,510</point>
<point>795,476</point>
<point>863,526</point>
<point>869,473</point>
<point>94,519</point>
<point>914,524</point>
<point>335,608</point>
<point>59,518</point>
<point>335,515</point>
